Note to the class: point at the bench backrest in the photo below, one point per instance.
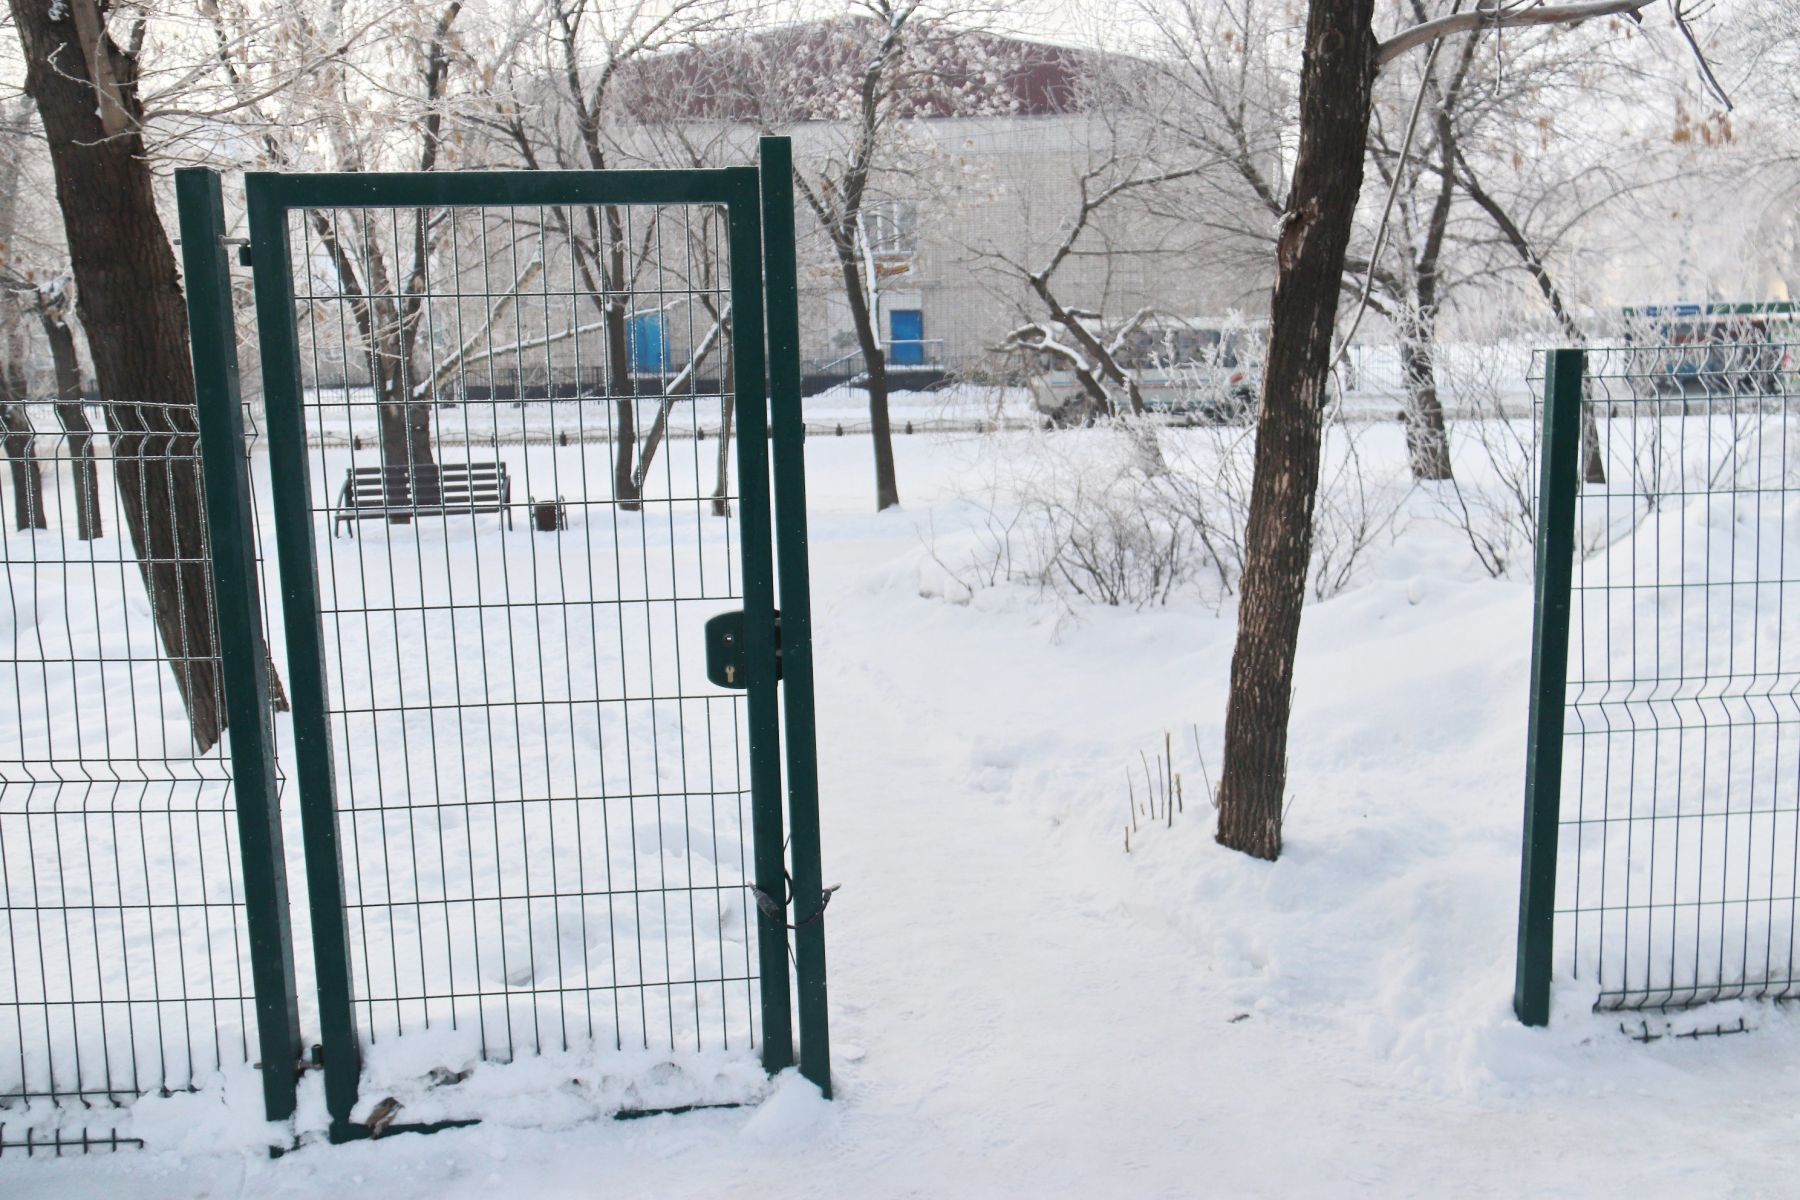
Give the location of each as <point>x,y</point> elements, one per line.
<point>430,485</point>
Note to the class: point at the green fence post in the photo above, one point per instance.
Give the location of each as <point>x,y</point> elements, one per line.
<point>314,766</point>
<point>764,715</point>
<point>781,272</point>
<point>237,607</point>
<point>1558,483</point>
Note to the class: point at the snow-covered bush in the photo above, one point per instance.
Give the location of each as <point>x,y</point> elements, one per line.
<point>1492,497</point>
<point>1087,518</point>
<point>1133,514</point>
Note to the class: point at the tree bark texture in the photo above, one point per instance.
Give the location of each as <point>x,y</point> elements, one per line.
<point>131,305</point>
<point>21,457</point>
<point>84,471</point>
<point>616,280</point>
<point>1427,440</point>
<point>1337,75</point>
<point>721,497</point>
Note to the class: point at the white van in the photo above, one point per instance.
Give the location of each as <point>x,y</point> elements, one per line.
<point>1205,370</point>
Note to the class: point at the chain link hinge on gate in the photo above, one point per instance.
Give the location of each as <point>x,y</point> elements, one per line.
<point>728,650</point>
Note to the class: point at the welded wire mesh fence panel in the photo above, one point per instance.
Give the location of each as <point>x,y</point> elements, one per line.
<point>1679,860</point>
<point>520,527</point>
<point>124,967</point>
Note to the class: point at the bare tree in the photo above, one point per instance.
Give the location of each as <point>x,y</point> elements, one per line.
<point>1070,334</point>
<point>393,90</point>
<point>869,82</point>
<point>563,111</point>
<point>35,277</point>
<point>1342,59</point>
<point>85,86</point>
<point>387,291</point>
<point>837,193</point>
<point>663,134</point>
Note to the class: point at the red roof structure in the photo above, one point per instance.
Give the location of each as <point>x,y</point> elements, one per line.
<point>812,71</point>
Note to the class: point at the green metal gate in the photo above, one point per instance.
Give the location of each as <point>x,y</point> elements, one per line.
<point>545,636</point>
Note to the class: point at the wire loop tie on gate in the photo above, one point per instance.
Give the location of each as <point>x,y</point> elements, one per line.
<point>777,910</point>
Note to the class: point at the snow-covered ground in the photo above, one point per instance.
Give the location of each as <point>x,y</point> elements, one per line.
<point>1022,1008</point>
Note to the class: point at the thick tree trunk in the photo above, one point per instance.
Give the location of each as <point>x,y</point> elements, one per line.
<point>405,421</point>
<point>22,464</point>
<point>1337,74</point>
<point>405,444</point>
<point>405,425</point>
<point>84,472</point>
<point>131,305</point>
<point>887,487</point>
<point>1593,461</point>
<point>1427,441</point>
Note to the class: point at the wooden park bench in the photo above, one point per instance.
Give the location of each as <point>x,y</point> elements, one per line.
<point>427,490</point>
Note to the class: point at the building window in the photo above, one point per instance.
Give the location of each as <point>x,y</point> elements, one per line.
<point>647,342</point>
<point>892,227</point>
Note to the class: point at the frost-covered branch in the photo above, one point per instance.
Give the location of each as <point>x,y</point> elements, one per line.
<point>1502,16</point>
<point>661,424</point>
<point>427,388</point>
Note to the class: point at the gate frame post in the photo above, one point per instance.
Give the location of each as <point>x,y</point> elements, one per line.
<point>315,770</point>
<point>243,651</point>
<point>780,268</point>
<point>1559,482</point>
<point>763,715</point>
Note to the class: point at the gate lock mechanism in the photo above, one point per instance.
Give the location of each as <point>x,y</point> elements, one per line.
<point>728,651</point>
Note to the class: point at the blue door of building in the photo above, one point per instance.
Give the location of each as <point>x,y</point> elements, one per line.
<point>906,333</point>
<point>649,351</point>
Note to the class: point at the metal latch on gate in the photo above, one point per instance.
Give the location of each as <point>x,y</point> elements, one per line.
<point>728,650</point>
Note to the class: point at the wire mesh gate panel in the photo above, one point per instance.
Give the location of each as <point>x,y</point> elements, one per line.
<point>1662,827</point>
<point>532,820</point>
